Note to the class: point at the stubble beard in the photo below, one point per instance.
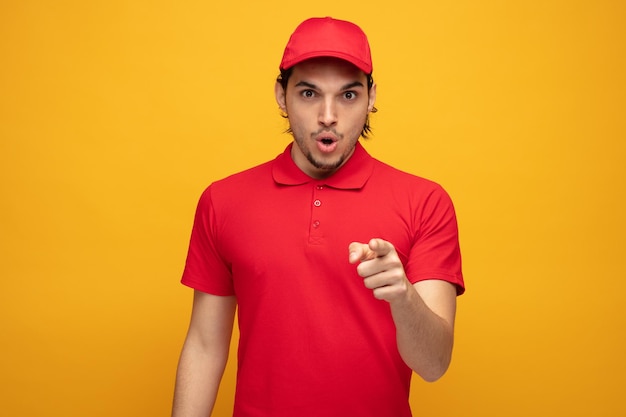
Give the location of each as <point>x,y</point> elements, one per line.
<point>330,166</point>
<point>325,166</point>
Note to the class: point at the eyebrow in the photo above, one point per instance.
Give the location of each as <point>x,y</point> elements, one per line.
<point>345,87</point>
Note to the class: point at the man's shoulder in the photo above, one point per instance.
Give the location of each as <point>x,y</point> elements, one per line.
<point>396,176</point>
<point>238,188</point>
<point>250,176</point>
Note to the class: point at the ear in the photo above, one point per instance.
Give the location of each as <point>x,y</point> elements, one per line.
<point>279,91</point>
<point>371,99</point>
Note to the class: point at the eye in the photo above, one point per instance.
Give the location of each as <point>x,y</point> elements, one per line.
<point>308,94</point>
<point>349,95</point>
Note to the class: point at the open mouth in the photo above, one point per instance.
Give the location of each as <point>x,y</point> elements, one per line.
<point>326,144</point>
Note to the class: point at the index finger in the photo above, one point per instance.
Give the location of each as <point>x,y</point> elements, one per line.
<point>360,252</point>
<point>380,247</point>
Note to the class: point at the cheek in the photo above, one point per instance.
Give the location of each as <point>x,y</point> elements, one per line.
<point>357,119</point>
<point>296,121</point>
<point>298,117</point>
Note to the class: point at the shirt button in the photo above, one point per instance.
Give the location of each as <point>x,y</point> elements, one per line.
<point>316,224</point>
<point>320,187</point>
<point>317,203</point>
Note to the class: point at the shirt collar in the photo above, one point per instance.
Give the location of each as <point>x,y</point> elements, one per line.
<point>352,175</point>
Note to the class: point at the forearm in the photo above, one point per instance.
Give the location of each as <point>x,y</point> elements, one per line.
<point>204,355</point>
<point>424,339</point>
<point>423,312</point>
<point>197,381</point>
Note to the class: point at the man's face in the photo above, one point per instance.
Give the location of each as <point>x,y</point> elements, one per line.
<point>327,102</point>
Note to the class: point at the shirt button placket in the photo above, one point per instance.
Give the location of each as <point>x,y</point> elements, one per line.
<point>316,232</point>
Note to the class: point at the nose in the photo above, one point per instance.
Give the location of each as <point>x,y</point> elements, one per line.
<point>328,112</point>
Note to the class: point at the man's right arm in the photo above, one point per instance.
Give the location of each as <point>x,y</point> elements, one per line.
<point>204,355</point>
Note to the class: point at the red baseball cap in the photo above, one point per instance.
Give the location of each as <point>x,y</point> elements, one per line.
<point>328,37</point>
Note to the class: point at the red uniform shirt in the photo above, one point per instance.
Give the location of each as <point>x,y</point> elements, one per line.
<point>313,340</point>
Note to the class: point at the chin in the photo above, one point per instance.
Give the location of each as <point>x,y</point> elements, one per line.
<point>327,165</point>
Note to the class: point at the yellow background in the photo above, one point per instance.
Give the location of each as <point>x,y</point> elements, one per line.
<point>114,116</point>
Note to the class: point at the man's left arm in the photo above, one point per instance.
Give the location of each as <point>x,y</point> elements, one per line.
<point>423,312</point>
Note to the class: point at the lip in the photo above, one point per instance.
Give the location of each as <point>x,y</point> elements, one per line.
<point>326,135</point>
<point>326,142</point>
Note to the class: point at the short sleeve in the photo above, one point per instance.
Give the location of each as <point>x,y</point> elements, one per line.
<point>436,253</point>
<point>205,269</point>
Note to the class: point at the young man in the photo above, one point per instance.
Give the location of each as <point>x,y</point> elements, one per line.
<point>344,270</point>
